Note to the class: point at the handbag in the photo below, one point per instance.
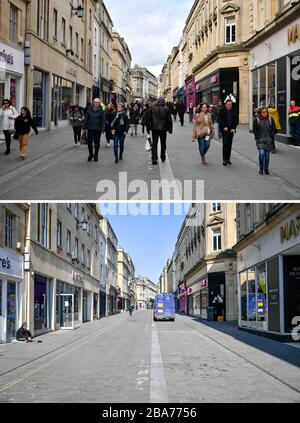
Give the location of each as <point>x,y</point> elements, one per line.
<point>16,136</point>
<point>147,145</point>
<point>84,137</point>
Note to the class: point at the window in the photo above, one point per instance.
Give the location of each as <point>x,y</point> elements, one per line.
<point>83,256</point>
<point>42,19</point>
<point>63,31</point>
<point>90,18</point>
<point>88,259</point>
<point>59,234</point>
<point>13,24</point>
<point>9,223</point>
<point>88,226</point>
<point>230,30</point>
<point>68,242</point>
<point>76,44</point>
<point>71,37</point>
<point>216,207</point>
<point>44,210</point>
<point>82,50</point>
<point>76,248</point>
<point>248,218</point>
<point>55,19</point>
<point>217,244</point>
<point>77,211</point>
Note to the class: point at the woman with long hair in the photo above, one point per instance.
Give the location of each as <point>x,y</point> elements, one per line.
<point>23,124</point>
<point>264,132</point>
<point>203,130</point>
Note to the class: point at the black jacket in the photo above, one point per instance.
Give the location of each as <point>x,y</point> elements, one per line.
<point>146,117</point>
<point>264,133</point>
<point>95,119</point>
<point>119,126</point>
<point>23,334</point>
<point>109,116</point>
<point>134,116</point>
<point>160,118</point>
<point>228,119</point>
<point>23,125</point>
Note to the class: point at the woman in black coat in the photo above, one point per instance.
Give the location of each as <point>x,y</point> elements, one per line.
<point>110,115</point>
<point>120,127</point>
<point>264,132</point>
<point>134,116</point>
<point>23,124</point>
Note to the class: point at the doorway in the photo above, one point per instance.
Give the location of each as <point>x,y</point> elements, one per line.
<point>67,320</point>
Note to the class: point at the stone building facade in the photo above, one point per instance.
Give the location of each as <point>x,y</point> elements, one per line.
<point>121,70</point>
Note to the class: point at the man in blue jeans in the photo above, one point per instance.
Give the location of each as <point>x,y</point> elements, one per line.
<point>120,127</point>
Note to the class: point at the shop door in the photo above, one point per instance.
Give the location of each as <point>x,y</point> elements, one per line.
<point>11,316</point>
<point>85,307</point>
<point>67,311</point>
<point>40,303</point>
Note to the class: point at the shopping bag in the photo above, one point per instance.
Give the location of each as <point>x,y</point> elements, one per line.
<point>147,145</point>
<point>84,137</point>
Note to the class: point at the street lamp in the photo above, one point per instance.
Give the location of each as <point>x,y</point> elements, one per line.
<point>77,11</point>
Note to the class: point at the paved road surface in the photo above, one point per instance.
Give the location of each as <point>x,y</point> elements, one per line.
<point>134,360</point>
<point>57,170</point>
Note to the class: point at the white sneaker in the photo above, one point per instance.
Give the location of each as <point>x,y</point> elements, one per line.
<point>108,145</point>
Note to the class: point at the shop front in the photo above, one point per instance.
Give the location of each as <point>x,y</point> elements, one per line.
<point>190,91</point>
<point>68,305</point>
<point>11,76</point>
<point>182,298</point>
<point>218,86</point>
<point>275,73</point>
<point>43,297</point>
<point>102,304</point>
<point>11,294</point>
<point>269,284</point>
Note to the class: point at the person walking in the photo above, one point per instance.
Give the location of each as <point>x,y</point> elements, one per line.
<point>219,108</point>
<point>273,112</point>
<point>181,112</point>
<point>214,113</point>
<point>228,121</point>
<point>94,122</point>
<point>264,130</point>
<point>203,130</point>
<point>146,122</point>
<point>8,114</point>
<point>175,110</point>
<point>120,127</point>
<point>110,115</point>
<point>76,121</point>
<point>294,121</point>
<point>160,123</point>
<point>134,116</point>
<point>23,124</point>
<point>191,112</point>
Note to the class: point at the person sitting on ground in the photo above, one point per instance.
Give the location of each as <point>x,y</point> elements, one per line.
<point>23,334</point>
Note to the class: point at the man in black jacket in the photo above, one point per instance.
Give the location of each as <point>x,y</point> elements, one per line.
<point>228,121</point>
<point>94,122</point>
<point>160,120</point>
<point>23,334</point>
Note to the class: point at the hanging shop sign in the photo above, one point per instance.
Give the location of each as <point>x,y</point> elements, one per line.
<point>290,230</point>
<point>294,34</point>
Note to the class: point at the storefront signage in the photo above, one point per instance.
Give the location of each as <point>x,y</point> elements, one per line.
<point>204,282</point>
<point>294,34</point>
<point>76,276</point>
<point>290,230</point>
<point>11,263</point>
<point>214,79</point>
<point>6,58</point>
<point>71,71</point>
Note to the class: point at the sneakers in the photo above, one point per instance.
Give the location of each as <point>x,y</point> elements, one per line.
<point>116,161</point>
<point>108,145</point>
<point>261,172</point>
<point>267,172</point>
<point>22,158</point>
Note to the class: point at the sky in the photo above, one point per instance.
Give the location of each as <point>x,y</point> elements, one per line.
<point>149,240</point>
<point>151,28</point>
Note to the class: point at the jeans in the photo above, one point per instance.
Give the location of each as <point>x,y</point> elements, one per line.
<point>119,141</point>
<point>94,136</point>
<point>203,146</point>
<point>227,145</point>
<point>77,133</point>
<point>156,135</point>
<point>135,126</point>
<point>108,134</point>
<point>7,135</point>
<point>191,115</point>
<point>295,132</point>
<point>218,130</point>
<point>264,159</point>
